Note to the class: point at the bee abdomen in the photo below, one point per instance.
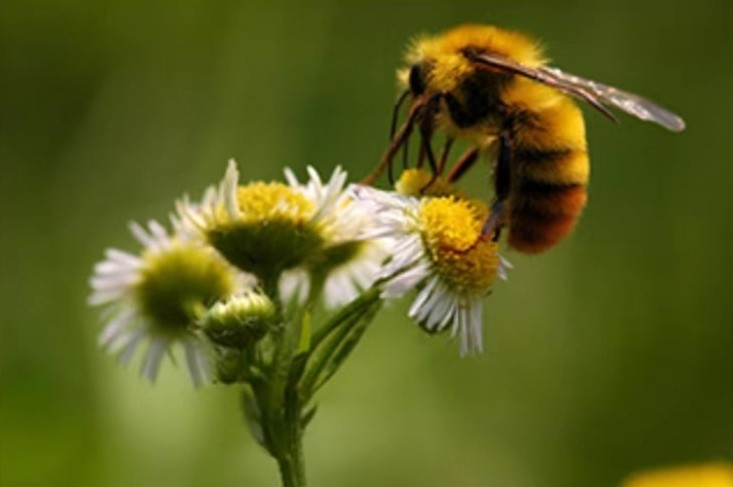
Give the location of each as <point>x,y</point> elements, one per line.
<point>547,198</point>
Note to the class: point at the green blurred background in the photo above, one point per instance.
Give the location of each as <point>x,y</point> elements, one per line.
<point>608,354</point>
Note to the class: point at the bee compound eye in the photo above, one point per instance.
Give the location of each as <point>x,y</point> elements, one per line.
<point>417,81</point>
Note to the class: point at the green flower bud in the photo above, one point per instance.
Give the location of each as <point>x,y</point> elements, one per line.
<point>240,321</point>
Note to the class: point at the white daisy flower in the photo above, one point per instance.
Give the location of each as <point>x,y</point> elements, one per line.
<point>437,248</point>
<point>297,231</point>
<point>349,262</point>
<point>262,228</point>
<point>156,296</point>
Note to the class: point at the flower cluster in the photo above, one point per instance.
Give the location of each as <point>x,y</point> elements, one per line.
<point>242,262</point>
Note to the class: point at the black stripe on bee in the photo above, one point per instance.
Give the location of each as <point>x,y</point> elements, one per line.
<point>534,155</point>
<point>531,188</point>
<point>540,198</point>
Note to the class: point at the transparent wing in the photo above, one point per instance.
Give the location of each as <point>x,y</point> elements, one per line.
<point>630,103</point>
<point>600,96</point>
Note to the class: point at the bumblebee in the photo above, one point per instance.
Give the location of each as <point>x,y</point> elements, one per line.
<point>493,88</point>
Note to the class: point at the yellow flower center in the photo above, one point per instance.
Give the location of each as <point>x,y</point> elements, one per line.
<point>451,230</point>
<point>264,201</point>
<point>176,282</point>
<point>272,231</point>
<point>417,182</point>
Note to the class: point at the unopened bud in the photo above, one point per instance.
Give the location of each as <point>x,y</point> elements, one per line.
<point>239,321</point>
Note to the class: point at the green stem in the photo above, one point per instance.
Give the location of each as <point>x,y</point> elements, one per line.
<point>291,462</point>
<point>301,363</point>
<point>353,309</point>
<point>333,351</point>
<point>284,404</point>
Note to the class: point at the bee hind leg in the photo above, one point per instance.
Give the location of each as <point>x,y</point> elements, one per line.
<point>494,222</point>
<point>502,186</point>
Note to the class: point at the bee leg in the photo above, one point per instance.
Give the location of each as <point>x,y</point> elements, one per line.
<point>441,164</point>
<point>400,138</point>
<point>426,133</point>
<point>444,155</point>
<point>432,104</point>
<point>405,151</point>
<point>502,185</point>
<point>386,161</point>
<point>421,155</point>
<point>464,163</point>
<point>493,224</point>
<point>502,173</point>
<point>390,173</point>
<point>396,112</point>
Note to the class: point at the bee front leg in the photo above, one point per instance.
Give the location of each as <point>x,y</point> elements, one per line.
<point>441,164</point>
<point>426,149</point>
<point>444,155</point>
<point>427,130</point>
<point>502,186</point>
<point>464,163</point>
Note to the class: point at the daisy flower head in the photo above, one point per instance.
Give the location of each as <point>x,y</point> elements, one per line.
<point>348,262</point>
<point>437,248</point>
<point>157,297</point>
<point>262,228</point>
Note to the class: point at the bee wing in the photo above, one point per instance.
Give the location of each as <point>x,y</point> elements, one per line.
<point>593,92</point>
<point>630,103</point>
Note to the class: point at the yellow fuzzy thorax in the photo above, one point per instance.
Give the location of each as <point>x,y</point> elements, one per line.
<point>450,66</point>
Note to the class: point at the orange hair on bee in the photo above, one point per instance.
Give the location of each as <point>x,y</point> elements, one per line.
<point>550,170</point>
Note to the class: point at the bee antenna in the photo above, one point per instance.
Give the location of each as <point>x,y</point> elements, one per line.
<point>396,113</point>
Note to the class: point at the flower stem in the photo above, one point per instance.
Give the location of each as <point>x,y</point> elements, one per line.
<point>291,462</point>
<point>284,404</point>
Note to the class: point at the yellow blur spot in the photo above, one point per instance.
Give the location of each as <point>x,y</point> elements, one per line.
<point>707,475</point>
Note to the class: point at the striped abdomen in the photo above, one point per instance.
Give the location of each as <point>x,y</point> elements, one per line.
<point>548,179</point>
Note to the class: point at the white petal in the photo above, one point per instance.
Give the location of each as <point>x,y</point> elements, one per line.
<point>141,234</point>
<point>128,347</point>
<point>122,257</point>
<point>159,234</point>
<point>196,361</point>
<point>115,326</point>
<point>290,178</point>
<point>422,297</point>
<point>228,190</point>
<point>99,297</point>
<point>153,358</point>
